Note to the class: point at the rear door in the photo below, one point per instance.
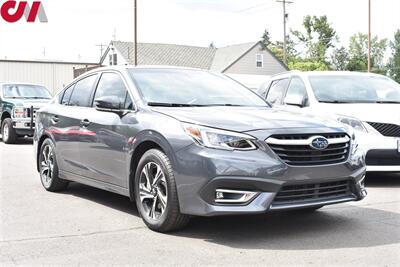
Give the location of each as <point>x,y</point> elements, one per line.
<point>65,123</point>
<point>106,156</point>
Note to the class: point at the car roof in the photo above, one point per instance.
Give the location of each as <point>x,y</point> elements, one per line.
<point>323,73</point>
<point>126,67</point>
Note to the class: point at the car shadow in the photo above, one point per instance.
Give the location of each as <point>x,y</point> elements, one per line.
<point>21,141</point>
<point>333,227</point>
<point>102,197</point>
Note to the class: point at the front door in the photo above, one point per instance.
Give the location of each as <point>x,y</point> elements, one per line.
<point>106,156</point>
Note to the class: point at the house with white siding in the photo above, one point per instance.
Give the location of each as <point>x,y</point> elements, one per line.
<point>245,59</point>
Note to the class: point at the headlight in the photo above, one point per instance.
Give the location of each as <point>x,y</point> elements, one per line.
<point>353,122</point>
<point>19,112</point>
<point>220,139</point>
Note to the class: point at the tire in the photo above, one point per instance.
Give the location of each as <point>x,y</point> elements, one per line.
<point>48,168</point>
<point>156,194</point>
<point>8,133</point>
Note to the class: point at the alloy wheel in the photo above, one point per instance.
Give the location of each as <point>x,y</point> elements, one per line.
<point>153,190</point>
<point>47,166</point>
<point>6,131</point>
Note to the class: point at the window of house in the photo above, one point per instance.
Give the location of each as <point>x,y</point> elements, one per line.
<point>259,61</point>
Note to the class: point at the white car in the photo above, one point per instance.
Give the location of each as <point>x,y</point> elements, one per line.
<point>369,103</point>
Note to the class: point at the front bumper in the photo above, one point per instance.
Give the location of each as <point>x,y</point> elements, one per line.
<point>382,153</point>
<point>200,172</point>
<point>25,126</point>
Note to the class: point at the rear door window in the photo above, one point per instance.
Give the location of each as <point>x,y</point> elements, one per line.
<point>277,91</point>
<point>82,92</point>
<point>67,95</point>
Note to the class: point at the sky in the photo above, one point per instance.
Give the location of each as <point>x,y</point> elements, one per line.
<point>76,27</point>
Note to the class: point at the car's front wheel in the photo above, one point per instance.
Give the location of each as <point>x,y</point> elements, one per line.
<point>156,194</point>
<point>8,133</point>
<point>48,168</point>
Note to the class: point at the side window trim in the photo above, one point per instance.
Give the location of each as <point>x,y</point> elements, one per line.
<point>285,89</point>
<point>126,87</point>
<point>72,87</point>
<point>92,89</point>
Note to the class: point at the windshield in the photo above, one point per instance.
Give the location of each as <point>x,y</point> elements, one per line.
<point>355,89</point>
<point>25,91</point>
<point>174,87</point>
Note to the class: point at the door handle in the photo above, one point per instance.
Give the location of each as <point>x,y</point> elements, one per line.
<point>55,119</point>
<point>84,123</point>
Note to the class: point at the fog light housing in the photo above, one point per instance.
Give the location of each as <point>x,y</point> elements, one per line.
<point>228,196</point>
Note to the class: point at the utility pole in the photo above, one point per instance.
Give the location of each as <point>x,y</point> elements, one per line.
<point>369,36</point>
<point>135,43</point>
<point>101,49</point>
<point>285,16</point>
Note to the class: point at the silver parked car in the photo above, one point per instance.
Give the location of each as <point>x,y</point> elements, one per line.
<point>184,142</point>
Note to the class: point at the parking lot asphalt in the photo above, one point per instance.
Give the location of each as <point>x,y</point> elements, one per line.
<point>87,226</point>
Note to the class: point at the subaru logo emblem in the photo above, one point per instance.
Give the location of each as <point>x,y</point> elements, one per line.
<point>319,142</point>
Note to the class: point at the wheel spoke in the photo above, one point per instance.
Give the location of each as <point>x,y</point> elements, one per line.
<point>44,169</point>
<point>159,175</point>
<point>145,194</point>
<point>163,200</point>
<point>152,211</point>
<point>147,175</point>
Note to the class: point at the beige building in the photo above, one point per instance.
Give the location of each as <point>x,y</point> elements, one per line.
<point>51,74</point>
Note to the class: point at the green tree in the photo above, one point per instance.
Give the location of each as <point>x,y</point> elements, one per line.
<point>358,53</point>
<point>308,66</point>
<point>318,38</point>
<point>394,61</point>
<point>265,39</point>
<point>277,47</point>
<point>340,59</point>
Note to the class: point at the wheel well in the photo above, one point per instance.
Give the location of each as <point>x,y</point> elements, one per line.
<point>4,116</point>
<point>137,155</point>
<point>39,145</point>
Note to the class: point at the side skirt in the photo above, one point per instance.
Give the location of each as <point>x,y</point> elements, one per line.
<point>94,183</point>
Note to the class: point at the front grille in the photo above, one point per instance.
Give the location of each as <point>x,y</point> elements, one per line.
<point>295,150</point>
<point>28,112</point>
<point>386,129</point>
<point>305,193</point>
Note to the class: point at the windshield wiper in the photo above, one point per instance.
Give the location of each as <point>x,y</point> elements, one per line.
<point>174,105</point>
<point>387,102</point>
<point>335,102</point>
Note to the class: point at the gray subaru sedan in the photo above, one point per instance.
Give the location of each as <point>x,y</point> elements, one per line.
<point>187,142</point>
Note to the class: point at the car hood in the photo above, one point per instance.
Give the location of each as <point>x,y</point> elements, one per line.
<point>368,112</point>
<point>27,103</point>
<point>244,119</point>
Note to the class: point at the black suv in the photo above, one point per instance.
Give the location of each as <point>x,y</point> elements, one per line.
<point>18,105</point>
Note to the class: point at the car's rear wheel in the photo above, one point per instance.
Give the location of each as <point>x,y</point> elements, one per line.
<point>8,133</point>
<point>48,168</point>
<point>156,194</point>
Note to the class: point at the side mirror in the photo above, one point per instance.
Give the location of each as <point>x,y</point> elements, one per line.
<point>108,103</point>
<point>294,100</point>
